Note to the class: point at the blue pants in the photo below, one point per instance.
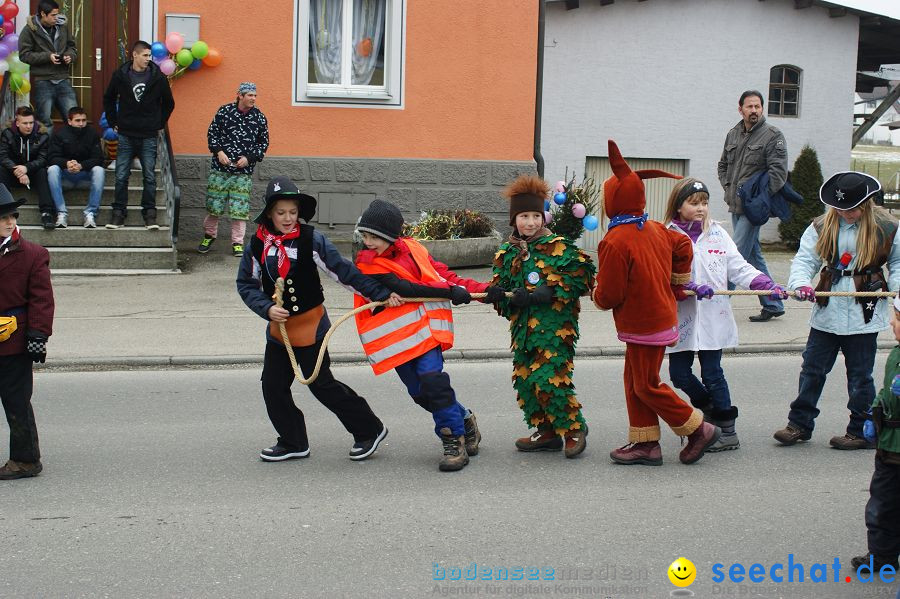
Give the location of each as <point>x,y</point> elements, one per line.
<point>59,179</point>
<point>713,391</point>
<point>818,359</point>
<point>746,238</point>
<point>430,387</point>
<point>45,94</point>
<point>144,149</point>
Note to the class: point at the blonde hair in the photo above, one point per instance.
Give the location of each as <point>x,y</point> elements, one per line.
<point>673,205</point>
<point>868,239</point>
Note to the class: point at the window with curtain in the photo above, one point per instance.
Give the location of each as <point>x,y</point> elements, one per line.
<point>349,51</point>
<point>784,91</point>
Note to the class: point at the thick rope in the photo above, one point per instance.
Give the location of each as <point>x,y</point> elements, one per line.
<point>279,288</point>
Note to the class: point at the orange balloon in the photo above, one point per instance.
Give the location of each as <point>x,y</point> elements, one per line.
<point>213,59</point>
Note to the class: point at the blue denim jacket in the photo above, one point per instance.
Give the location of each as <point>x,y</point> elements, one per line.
<point>842,315</point>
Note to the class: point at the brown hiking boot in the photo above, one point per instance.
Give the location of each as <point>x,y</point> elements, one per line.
<point>540,440</point>
<point>790,434</point>
<point>12,469</point>
<point>473,435</point>
<point>849,441</point>
<point>575,441</point>
<point>647,452</point>
<point>699,441</point>
<point>455,456</point>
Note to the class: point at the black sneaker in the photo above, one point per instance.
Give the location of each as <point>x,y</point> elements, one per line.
<point>280,453</point>
<point>117,220</point>
<point>47,220</point>
<point>150,219</point>
<point>205,244</point>
<point>363,449</point>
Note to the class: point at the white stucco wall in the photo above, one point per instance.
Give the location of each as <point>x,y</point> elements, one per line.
<point>663,79</point>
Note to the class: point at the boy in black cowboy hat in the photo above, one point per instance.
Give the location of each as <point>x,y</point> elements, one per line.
<point>848,246</point>
<point>26,322</point>
<point>283,247</point>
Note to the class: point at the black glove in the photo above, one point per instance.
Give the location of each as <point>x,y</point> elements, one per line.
<point>36,346</point>
<point>520,297</point>
<point>494,294</point>
<point>459,295</point>
<point>542,295</point>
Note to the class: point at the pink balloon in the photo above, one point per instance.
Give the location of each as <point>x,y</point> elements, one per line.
<point>560,186</point>
<point>578,210</point>
<point>174,42</point>
<point>9,27</point>
<point>167,66</point>
<point>548,217</point>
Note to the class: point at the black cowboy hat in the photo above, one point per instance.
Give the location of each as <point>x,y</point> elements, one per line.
<point>847,190</point>
<point>282,188</point>
<point>7,204</point>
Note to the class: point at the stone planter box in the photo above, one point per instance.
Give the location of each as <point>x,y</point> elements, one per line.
<point>455,253</point>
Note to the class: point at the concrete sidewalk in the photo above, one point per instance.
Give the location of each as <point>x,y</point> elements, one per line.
<point>197,318</point>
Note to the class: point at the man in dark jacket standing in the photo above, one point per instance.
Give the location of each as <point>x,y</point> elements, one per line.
<point>26,323</point>
<point>138,103</point>
<point>23,158</point>
<point>75,159</point>
<point>48,48</point>
<point>751,146</point>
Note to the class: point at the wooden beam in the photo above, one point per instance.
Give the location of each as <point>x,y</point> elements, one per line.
<point>798,4</point>
<point>876,114</point>
<point>837,11</point>
<point>571,4</point>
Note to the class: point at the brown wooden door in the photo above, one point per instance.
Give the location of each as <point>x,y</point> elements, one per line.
<point>104,31</point>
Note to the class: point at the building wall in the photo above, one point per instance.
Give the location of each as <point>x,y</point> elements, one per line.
<point>663,80</point>
<point>469,83</point>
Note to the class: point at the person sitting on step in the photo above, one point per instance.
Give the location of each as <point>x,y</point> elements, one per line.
<point>76,160</point>
<point>23,158</point>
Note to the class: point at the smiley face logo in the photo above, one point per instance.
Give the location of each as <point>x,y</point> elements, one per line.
<point>682,572</point>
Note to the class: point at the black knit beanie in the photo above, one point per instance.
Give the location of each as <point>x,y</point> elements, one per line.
<point>382,219</point>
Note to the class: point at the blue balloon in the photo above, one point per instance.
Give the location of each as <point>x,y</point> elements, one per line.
<point>103,122</point>
<point>590,222</point>
<point>158,49</point>
<point>196,64</point>
<point>546,205</point>
<point>1,19</point>
<point>560,198</point>
<point>110,134</point>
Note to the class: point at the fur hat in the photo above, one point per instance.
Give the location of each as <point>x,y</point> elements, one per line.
<point>847,190</point>
<point>382,219</point>
<point>282,188</point>
<point>623,192</point>
<point>527,193</point>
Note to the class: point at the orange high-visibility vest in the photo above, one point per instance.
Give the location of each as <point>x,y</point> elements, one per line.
<point>395,336</point>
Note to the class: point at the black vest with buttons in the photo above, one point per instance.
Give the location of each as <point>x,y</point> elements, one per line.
<point>302,287</point>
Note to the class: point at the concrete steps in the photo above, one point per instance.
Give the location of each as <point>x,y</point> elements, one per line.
<point>29,214</point>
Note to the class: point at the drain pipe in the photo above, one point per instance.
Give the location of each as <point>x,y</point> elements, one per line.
<point>538,95</point>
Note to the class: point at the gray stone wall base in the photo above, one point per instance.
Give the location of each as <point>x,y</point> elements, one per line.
<point>345,186</point>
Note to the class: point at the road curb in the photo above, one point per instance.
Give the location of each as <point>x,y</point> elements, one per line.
<point>453,355</point>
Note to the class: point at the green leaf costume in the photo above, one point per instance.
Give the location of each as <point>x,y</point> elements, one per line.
<point>543,337</point>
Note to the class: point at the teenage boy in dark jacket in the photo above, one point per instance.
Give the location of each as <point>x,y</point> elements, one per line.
<point>138,103</point>
<point>23,158</point>
<point>75,159</point>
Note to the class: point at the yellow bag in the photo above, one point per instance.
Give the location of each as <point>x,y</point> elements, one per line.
<point>8,326</point>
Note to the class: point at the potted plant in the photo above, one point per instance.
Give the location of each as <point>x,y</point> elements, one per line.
<point>456,237</point>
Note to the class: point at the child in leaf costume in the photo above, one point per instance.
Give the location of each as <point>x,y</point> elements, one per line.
<point>547,275</point>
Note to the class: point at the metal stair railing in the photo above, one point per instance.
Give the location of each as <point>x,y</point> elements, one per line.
<point>169,180</point>
<point>7,101</point>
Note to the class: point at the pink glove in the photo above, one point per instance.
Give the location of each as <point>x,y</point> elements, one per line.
<point>805,293</point>
<point>778,292</point>
<point>702,291</point>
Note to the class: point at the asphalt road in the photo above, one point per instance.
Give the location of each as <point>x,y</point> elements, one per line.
<point>152,488</point>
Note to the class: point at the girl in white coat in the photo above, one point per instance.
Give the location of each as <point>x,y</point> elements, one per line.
<point>706,327</point>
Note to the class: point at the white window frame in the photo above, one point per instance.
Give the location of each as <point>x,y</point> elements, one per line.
<point>389,95</point>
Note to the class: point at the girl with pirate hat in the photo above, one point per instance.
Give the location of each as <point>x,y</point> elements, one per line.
<point>848,246</point>
<point>286,248</point>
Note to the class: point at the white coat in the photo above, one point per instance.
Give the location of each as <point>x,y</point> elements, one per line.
<point>709,324</point>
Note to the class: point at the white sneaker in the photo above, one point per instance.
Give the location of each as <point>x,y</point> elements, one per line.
<point>89,222</point>
<point>62,220</point>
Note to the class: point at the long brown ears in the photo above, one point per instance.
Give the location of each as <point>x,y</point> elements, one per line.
<point>653,173</point>
<point>620,168</point>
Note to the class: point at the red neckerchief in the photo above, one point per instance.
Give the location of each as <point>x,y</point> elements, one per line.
<point>268,239</point>
<point>10,241</point>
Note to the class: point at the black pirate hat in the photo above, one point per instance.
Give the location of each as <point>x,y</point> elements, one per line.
<point>282,188</point>
<point>847,190</point>
<point>7,204</point>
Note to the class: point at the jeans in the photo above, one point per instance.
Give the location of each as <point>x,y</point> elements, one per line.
<point>45,95</point>
<point>713,391</point>
<point>883,511</point>
<point>59,179</point>
<point>16,384</point>
<point>144,149</point>
<point>746,238</point>
<point>818,359</point>
<point>424,380</point>
<point>38,183</point>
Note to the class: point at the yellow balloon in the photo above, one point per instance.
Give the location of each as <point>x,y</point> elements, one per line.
<point>25,87</point>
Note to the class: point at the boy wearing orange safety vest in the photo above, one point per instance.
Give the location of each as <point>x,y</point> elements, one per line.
<point>411,338</point>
